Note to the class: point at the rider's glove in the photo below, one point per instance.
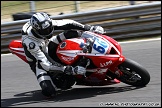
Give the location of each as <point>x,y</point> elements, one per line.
<point>97,29</point>
<point>80,70</point>
<point>68,70</point>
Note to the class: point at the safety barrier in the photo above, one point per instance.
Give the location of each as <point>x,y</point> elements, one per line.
<point>120,22</point>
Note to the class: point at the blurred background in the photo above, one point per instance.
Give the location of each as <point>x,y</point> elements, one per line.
<point>12,9</point>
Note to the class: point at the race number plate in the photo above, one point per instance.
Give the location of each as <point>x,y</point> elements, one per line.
<point>100,46</point>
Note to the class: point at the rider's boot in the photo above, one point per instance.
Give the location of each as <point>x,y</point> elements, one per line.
<point>49,89</point>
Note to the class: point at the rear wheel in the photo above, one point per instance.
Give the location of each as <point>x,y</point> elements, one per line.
<point>133,73</point>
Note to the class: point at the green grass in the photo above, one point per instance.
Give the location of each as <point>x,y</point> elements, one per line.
<point>10,3</point>
<point>11,7</point>
<point>55,7</point>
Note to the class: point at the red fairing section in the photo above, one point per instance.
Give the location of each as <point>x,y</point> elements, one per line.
<point>114,42</point>
<point>67,50</point>
<point>16,48</point>
<point>103,62</point>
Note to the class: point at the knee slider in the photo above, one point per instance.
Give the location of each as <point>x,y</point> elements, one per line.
<point>47,88</point>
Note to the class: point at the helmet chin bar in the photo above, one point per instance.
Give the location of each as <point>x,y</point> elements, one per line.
<point>45,36</point>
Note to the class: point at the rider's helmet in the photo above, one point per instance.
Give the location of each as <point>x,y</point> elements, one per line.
<point>42,25</point>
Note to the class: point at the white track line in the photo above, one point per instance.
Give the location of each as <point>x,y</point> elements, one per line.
<point>6,54</point>
<point>154,39</point>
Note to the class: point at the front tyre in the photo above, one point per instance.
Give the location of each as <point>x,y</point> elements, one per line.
<point>133,73</point>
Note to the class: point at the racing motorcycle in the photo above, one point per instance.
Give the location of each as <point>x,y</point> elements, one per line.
<point>106,65</point>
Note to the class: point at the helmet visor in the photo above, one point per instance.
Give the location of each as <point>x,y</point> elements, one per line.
<point>46,31</point>
<point>45,34</point>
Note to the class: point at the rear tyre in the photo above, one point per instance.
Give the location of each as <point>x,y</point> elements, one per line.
<point>133,73</point>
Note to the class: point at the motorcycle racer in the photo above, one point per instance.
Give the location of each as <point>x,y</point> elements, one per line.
<point>38,40</point>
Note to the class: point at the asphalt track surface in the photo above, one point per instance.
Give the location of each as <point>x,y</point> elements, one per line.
<point>19,87</point>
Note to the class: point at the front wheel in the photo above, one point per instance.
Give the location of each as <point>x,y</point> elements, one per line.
<point>133,73</point>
